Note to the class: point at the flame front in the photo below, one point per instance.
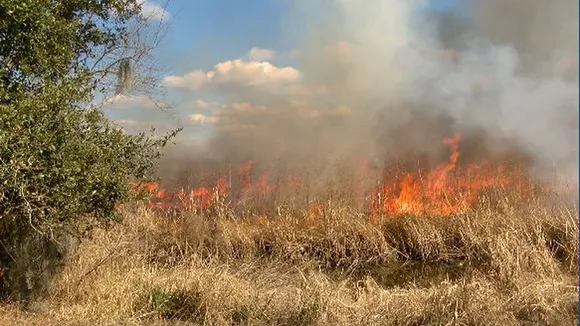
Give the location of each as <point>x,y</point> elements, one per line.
<point>446,189</point>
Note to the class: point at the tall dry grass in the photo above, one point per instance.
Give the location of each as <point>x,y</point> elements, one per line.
<point>510,265</point>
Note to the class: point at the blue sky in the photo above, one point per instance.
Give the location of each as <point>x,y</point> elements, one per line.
<point>203,33</point>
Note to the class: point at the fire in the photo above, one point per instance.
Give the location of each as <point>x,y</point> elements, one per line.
<point>314,213</point>
<point>244,173</point>
<point>448,188</point>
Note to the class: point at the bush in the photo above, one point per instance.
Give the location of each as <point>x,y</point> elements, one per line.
<point>64,167</point>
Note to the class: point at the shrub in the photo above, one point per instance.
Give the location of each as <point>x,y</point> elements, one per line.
<point>64,167</point>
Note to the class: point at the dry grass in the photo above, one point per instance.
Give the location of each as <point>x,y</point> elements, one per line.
<point>514,267</point>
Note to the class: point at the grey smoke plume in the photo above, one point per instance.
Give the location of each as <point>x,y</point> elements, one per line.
<point>397,78</point>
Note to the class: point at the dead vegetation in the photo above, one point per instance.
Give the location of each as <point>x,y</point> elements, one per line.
<point>517,266</point>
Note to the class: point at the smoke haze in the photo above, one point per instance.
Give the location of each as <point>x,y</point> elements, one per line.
<point>382,79</point>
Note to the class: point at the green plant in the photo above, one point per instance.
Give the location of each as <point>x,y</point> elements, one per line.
<point>64,167</point>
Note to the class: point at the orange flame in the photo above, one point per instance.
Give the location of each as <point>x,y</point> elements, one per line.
<point>446,189</point>
<point>244,173</point>
<point>314,212</point>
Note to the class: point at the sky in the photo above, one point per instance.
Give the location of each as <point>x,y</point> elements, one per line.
<point>203,33</point>
<point>289,78</point>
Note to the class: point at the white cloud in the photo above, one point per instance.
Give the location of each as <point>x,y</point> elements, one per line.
<point>247,79</point>
<point>217,108</point>
<point>245,107</point>
<point>200,119</point>
<point>260,54</point>
<point>256,92</point>
<point>153,11</point>
<point>192,81</point>
<point>203,105</point>
<point>133,125</point>
<point>122,101</point>
<point>236,73</point>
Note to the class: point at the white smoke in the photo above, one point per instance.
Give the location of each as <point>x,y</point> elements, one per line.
<point>382,78</point>
<point>501,78</point>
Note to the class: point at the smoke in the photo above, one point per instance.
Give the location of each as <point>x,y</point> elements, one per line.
<point>527,53</point>
<point>382,79</point>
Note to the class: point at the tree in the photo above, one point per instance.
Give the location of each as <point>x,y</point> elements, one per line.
<point>64,167</point>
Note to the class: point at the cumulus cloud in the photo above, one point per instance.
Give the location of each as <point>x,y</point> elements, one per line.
<point>245,108</point>
<point>133,125</point>
<point>153,11</point>
<point>236,74</point>
<point>220,114</point>
<point>200,119</point>
<point>260,54</point>
<point>203,105</point>
<point>121,101</point>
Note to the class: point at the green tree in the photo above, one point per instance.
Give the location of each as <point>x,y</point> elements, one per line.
<point>64,167</point>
